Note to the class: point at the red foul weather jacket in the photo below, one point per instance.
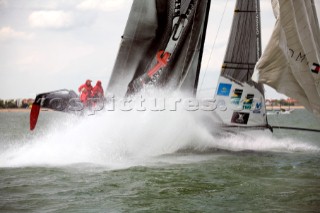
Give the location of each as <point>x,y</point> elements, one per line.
<point>97,91</point>
<point>86,92</point>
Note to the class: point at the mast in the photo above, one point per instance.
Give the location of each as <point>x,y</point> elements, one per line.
<point>201,50</point>
<point>258,22</point>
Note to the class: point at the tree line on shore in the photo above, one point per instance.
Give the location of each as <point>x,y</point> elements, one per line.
<point>15,103</point>
<point>282,102</point>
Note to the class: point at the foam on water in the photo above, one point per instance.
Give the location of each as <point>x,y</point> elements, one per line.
<point>120,139</point>
<point>258,141</point>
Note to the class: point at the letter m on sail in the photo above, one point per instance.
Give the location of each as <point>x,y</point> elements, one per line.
<point>315,68</point>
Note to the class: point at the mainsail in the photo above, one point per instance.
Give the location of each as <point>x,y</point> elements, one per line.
<point>161,46</point>
<point>240,100</point>
<point>291,61</point>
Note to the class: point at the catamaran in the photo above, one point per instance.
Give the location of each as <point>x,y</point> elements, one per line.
<point>163,43</point>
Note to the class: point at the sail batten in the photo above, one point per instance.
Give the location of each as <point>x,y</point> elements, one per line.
<point>244,46</point>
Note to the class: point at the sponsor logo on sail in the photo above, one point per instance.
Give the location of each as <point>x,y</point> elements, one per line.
<point>247,104</point>
<point>258,108</point>
<point>224,89</point>
<point>236,96</point>
<point>240,117</point>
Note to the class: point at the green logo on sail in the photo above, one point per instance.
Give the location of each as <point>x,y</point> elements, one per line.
<point>247,104</point>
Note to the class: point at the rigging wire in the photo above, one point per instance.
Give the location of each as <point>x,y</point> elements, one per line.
<point>214,43</point>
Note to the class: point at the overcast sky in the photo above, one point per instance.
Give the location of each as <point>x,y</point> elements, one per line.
<point>54,44</point>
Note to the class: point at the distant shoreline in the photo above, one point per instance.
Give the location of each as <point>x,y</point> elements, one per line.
<point>14,110</point>
<point>20,110</point>
<point>284,107</point>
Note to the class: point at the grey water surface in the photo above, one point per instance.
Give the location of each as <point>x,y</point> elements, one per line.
<point>107,164</point>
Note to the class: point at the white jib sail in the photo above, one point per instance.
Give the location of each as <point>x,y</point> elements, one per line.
<point>291,60</point>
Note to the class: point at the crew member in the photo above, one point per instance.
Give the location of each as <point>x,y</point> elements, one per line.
<point>85,92</point>
<point>97,91</point>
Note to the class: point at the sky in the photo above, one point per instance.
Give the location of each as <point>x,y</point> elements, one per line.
<point>57,44</point>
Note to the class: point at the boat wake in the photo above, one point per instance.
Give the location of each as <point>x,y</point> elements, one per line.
<point>121,139</point>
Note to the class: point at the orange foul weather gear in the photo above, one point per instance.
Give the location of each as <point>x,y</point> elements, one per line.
<point>86,91</point>
<point>97,91</point>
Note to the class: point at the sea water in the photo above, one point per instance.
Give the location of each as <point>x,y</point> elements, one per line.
<point>155,162</point>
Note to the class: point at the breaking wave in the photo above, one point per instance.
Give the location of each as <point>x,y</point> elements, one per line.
<point>120,139</point>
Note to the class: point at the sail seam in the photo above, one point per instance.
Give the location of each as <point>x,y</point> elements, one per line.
<point>229,62</point>
<point>238,68</point>
<point>245,11</point>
